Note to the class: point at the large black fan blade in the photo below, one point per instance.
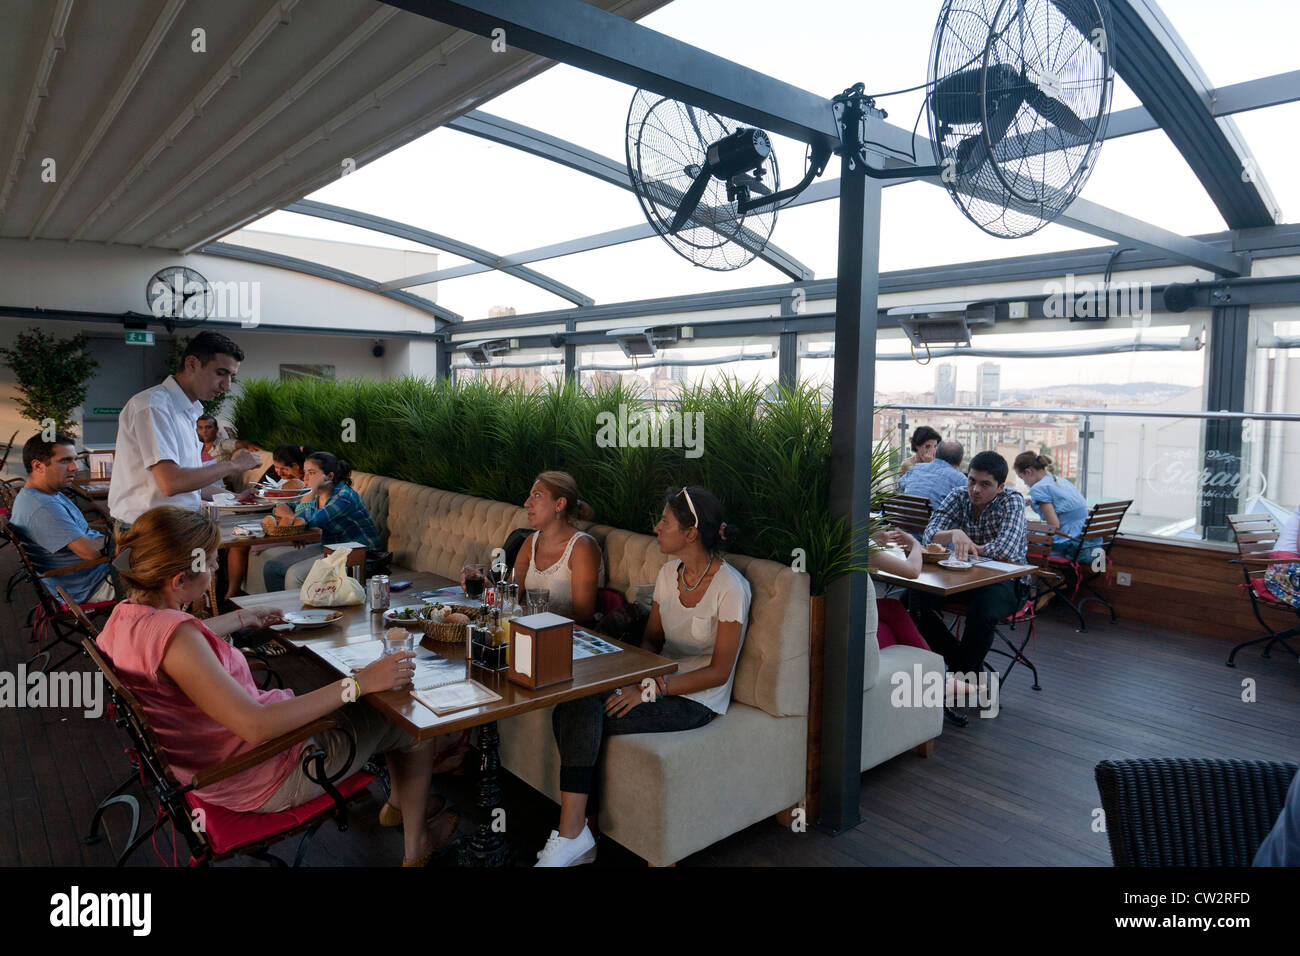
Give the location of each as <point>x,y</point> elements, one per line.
<point>955,100</point>
<point>691,199</point>
<point>1057,113</point>
<point>1000,120</point>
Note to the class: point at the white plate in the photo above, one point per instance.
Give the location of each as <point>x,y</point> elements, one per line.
<point>955,565</point>
<point>282,627</point>
<point>321,618</point>
<point>390,617</point>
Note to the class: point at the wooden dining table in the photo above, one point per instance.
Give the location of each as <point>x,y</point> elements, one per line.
<point>358,624</point>
<point>946,582</point>
<point>228,520</point>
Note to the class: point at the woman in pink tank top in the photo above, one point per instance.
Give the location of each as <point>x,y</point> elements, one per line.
<point>202,702</point>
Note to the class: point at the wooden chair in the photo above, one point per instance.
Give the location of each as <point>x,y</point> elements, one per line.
<point>50,615</point>
<point>9,447</point>
<point>214,833</point>
<point>1165,811</point>
<point>910,513</point>
<point>1090,558</point>
<point>1256,538</point>
<point>9,489</point>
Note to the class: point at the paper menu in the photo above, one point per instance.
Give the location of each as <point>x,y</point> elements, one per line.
<point>589,645</point>
<point>431,670</point>
<point>1004,566</point>
<point>453,697</point>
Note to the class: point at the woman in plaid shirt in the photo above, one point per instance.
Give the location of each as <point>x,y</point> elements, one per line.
<point>334,507</point>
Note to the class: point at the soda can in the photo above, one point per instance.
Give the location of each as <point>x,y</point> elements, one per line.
<point>377,591</point>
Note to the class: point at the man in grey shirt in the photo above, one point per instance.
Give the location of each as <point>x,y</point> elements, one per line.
<point>936,479</point>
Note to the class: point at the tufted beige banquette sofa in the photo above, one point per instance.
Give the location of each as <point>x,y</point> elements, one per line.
<point>663,796</point>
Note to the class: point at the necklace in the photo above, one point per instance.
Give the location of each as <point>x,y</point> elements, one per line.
<point>703,574</point>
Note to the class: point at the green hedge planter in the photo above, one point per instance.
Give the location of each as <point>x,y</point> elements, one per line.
<point>763,449</point>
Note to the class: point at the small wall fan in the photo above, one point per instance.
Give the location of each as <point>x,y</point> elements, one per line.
<point>1018,100</point>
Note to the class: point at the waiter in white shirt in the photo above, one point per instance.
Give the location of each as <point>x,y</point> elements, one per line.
<point>158,456</point>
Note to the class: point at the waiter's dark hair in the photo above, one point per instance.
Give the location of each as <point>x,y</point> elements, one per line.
<point>208,345</point>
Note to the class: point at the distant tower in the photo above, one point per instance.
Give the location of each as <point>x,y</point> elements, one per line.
<point>500,311</point>
<point>988,377</point>
<point>945,384</point>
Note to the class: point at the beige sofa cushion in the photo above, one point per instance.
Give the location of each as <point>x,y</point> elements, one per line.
<point>661,794</point>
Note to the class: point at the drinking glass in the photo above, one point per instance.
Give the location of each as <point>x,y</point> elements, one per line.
<point>475,581</point>
<point>398,645</point>
<point>538,600</point>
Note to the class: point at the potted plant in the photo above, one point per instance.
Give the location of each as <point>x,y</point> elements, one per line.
<point>52,375</point>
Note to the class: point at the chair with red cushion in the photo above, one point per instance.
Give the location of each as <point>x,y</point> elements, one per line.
<point>51,616</point>
<point>1090,559</point>
<point>215,833</point>
<point>1256,536</point>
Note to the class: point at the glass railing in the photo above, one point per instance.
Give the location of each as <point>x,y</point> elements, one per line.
<point>1184,470</point>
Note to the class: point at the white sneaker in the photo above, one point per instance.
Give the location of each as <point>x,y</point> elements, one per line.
<point>563,852</point>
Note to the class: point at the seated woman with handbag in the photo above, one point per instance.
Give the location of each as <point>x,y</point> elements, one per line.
<point>334,507</point>
<point>700,611</point>
<point>204,707</point>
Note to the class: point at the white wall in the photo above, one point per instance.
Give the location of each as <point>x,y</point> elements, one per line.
<point>96,278</point>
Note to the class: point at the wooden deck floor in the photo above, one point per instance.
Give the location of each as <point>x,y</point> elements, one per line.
<point>1014,790</point>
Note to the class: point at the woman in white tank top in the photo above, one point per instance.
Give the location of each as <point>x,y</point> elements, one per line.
<point>558,557</point>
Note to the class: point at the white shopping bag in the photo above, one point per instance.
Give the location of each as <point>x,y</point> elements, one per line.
<point>328,584</point>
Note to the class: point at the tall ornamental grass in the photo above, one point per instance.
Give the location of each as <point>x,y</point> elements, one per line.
<point>765,450</point>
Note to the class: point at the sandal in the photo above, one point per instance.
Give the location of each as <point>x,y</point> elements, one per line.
<point>391,816</point>
<point>442,831</point>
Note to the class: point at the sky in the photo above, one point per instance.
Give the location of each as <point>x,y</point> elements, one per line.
<point>506,201</point>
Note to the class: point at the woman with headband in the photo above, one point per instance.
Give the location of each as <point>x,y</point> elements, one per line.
<point>701,609</point>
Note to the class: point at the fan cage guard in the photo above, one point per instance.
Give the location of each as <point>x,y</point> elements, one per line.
<point>1015,194</point>
<point>662,146</point>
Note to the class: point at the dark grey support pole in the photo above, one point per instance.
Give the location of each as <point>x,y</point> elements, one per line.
<point>858,279</point>
<point>1225,390</point>
<point>570,354</point>
<point>442,364</point>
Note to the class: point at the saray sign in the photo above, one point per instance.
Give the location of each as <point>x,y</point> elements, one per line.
<point>1216,474</point>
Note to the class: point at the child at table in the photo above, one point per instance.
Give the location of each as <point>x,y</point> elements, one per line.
<point>700,611</point>
<point>204,707</point>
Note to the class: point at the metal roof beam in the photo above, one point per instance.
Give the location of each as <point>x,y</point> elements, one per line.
<point>599,240</point>
<point>353,217</point>
<point>592,39</point>
<point>149,45</point>
<point>224,74</point>
<point>262,257</point>
<point>38,90</point>
<point>1158,66</point>
<point>517,136</point>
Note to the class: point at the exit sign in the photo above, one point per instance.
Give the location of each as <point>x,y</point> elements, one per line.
<point>139,338</point>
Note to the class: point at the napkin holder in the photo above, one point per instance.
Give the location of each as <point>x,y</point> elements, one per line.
<point>541,650</point>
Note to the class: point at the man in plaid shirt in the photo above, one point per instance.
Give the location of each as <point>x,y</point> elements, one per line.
<point>986,519</point>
